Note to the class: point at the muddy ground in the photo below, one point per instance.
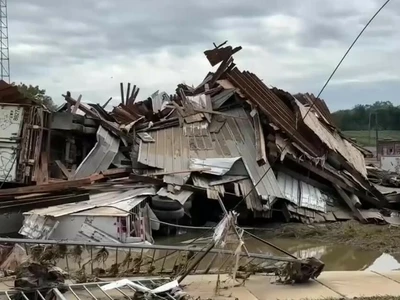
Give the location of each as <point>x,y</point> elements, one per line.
<point>383,238</point>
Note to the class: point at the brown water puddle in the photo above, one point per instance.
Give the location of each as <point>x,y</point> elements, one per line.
<point>336,257</point>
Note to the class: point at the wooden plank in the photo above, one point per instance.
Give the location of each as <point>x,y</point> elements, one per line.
<point>117,172</point>
<point>349,203</point>
<point>106,103</point>
<point>51,187</point>
<point>76,106</point>
<point>127,93</point>
<point>107,125</point>
<point>122,93</point>
<point>208,103</point>
<point>261,153</point>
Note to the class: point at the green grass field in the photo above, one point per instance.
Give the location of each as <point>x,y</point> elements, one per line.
<point>362,137</point>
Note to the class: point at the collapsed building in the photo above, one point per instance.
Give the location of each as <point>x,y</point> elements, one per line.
<point>268,154</point>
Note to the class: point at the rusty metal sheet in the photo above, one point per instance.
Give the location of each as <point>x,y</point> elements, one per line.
<point>271,105</point>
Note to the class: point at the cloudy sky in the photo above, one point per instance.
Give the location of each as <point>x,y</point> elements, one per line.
<point>89,46</point>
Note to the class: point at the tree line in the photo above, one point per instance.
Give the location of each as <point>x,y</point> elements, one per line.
<point>364,117</point>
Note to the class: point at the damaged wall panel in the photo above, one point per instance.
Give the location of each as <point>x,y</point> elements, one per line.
<point>101,156</point>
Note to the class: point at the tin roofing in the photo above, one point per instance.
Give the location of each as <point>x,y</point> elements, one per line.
<point>302,194</point>
<point>175,147</point>
<point>123,201</point>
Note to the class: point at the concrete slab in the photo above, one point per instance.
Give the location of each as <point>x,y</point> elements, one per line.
<point>204,287</point>
<point>359,283</point>
<point>263,289</point>
<point>393,275</point>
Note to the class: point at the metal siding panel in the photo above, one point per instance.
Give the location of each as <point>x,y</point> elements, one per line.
<point>169,152</point>
<point>244,135</point>
<point>123,200</point>
<point>101,156</point>
<point>38,227</point>
<point>8,161</point>
<point>219,99</point>
<point>312,198</point>
<point>289,187</point>
<point>235,139</point>
<point>253,201</point>
<point>217,166</point>
<point>270,104</point>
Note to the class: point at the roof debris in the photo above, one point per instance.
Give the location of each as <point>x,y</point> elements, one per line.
<point>230,137</point>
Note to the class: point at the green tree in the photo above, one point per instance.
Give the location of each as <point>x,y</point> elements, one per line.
<point>358,118</point>
<point>37,94</point>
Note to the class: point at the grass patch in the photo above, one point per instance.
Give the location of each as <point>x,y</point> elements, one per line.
<point>364,139</point>
<point>380,238</point>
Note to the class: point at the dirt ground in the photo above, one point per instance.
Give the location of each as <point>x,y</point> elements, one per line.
<point>381,238</point>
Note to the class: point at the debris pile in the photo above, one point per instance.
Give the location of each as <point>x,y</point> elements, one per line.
<point>230,138</point>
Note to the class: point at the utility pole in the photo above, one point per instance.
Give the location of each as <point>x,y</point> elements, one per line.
<point>4,51</point>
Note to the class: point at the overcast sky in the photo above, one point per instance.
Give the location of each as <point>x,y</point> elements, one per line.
<point>89,46</point>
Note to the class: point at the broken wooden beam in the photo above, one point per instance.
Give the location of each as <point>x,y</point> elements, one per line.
<point>76,106</point>
<point>261,153</point>
<point>349,203</point>
<point>51,187</point>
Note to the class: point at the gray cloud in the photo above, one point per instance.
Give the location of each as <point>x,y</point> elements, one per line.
<point>90,46</point>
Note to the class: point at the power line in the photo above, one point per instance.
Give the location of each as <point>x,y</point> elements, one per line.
<point>319,94</point>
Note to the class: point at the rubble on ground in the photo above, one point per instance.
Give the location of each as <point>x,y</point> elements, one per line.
<point>231,136</point>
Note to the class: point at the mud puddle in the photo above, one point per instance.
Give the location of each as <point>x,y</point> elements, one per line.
<point>336,252</point>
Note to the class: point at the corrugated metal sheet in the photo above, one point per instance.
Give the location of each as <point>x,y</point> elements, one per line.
<point>174,147</point>
<point>242,143</point>
<point>180,196</point>
<point>333,140</point>
<point>217,166</point>
<point>271,105</point>
<point>289,187</point>
<point>302,194</point>
<point>213,192</point>
<point>253,202</point>
<point>124,201</point>
<point>169,152</point>
<point>219,99</point>
<point>101,156</point>
<point>312,198</point>
<point>159,101</point>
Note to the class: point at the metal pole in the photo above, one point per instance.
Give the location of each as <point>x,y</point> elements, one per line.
<point>369,128</point>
